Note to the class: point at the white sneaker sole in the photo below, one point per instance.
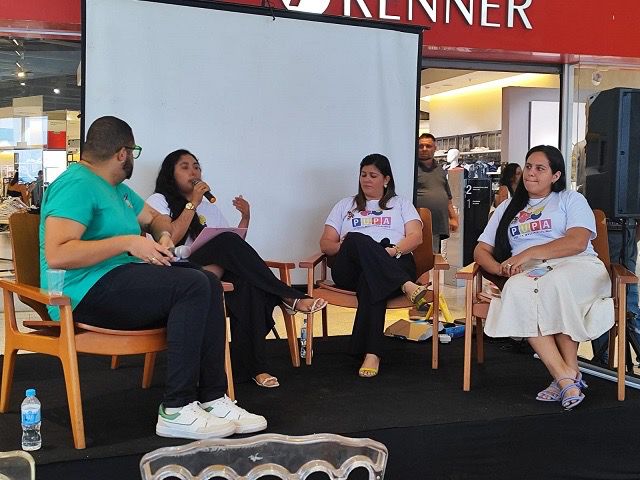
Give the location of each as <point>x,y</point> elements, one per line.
<point>255,427</point>
<point>178,432</point>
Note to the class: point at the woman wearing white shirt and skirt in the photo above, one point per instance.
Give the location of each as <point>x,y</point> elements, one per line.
<point>557,291</point>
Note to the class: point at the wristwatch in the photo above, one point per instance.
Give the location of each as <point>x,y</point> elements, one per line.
<point>190,206</point>
<point>398,252</point>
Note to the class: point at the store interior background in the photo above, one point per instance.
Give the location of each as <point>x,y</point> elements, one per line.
<point>485,114</point>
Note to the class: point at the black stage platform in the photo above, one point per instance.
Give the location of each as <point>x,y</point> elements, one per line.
<point>432,428</point>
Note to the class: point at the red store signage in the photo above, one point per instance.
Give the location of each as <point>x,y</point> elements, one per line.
<point>564,27</point>
<point>65,12</point>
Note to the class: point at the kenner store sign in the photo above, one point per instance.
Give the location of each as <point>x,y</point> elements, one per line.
<point>479,12</point>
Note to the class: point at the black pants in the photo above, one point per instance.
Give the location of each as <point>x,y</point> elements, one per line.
<point>256,293</point>
<point>363,265</point>
<point>188,301</point>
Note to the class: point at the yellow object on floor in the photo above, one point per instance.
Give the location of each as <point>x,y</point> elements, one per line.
<point>444,308</point>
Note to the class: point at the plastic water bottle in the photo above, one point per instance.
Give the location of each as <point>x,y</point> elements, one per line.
<point>303,339</point>
<point>30,414</point>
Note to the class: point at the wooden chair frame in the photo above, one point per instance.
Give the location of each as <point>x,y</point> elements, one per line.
<point>426,261</point>
<point>284,270</point>
<point>66,338</point>
<point>477,307</point>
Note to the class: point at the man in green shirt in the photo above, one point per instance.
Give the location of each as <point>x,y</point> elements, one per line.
<point>116,278</point>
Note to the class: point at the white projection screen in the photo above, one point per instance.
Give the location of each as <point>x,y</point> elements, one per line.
<point>280,111</point>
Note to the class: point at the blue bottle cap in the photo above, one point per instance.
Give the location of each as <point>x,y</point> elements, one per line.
<point>31,392</point>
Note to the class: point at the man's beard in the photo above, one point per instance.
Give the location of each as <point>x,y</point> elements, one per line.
<point>127,166</point>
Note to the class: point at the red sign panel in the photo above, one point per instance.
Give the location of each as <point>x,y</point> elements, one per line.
<point>48,11</point>
<point>557,27</point>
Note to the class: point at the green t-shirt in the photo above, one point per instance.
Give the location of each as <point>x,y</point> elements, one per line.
<point>106,211</point>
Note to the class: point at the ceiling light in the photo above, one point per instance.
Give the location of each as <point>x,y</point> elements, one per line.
<point>493,84</point>
<point>22,84</point>
<point>21,74</point>
<point>56,91</point>
<point>18,53</point>
<point>15,41</point>
<point>18,65</point>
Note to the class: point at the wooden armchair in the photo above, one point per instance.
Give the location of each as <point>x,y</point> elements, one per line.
<point>425,260</point>
<point>477,307</point>
<point>284,270</point>
<point>66,338</point>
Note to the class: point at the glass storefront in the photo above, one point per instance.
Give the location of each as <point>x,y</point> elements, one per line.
<point>39,107</point>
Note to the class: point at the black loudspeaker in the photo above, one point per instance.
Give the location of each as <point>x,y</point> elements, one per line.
<point>613,153</point>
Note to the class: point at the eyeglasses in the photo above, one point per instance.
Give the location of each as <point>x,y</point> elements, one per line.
<point>136,149</point>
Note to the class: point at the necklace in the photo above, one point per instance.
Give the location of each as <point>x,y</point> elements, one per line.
<point>538,201</point>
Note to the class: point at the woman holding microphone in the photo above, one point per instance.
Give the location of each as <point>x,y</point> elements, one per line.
<point>257,291</point>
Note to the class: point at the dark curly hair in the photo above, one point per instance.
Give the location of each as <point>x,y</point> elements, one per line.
<point>166,185</point>
<point>502,249</point>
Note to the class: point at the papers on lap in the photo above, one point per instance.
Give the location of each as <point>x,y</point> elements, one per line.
<point>210,232</point>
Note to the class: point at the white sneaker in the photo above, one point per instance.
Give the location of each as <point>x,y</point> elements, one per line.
<point>192,422</point>
<point>227,409</point>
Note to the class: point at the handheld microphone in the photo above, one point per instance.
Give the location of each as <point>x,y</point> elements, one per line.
<point>208,195</point>
<point>180,252</point>
<point>385,242</point>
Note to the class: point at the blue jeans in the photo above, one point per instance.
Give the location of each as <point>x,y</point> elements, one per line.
<point>631,254</point>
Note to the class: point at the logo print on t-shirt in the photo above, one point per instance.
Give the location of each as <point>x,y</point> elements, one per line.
<point>371,218</point>
<point>530,222</point>
<point>364,213</point>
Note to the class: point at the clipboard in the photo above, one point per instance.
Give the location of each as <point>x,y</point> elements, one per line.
<point>212,232</point>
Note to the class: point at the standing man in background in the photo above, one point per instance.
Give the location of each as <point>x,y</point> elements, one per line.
<point>36,189</point>
<point>433,191</point>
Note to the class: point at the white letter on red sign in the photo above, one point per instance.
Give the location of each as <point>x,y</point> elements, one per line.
<point>430,10</point>
<point>361,4</point>
<point>485,6</point>
<point>383,12</point>
<point>521,11</point>
<point>467,14</point>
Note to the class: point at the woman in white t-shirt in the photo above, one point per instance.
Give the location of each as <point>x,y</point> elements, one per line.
<point>557,290</point>
<point>257,291</point>
<point>371,237</point>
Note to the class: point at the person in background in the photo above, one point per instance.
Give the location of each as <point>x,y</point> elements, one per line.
<point>557,291</point>
<point>371,236</point>
<point>118,279</point>
<point>433,191</point>
<point>35,189</point>
<point>17,189</point>
<point>257,291</point>
<point>509,179</point>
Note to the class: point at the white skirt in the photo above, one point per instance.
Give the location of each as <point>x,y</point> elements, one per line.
<point>573,298</point>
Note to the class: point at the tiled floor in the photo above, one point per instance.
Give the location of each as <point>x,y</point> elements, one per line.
<point>341,319</point>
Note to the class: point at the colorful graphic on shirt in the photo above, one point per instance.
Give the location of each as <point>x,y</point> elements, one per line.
<point>370,218</point>
<point>529,221</point>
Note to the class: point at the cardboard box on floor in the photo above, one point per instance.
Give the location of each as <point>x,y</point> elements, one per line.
<point>407,330</point>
